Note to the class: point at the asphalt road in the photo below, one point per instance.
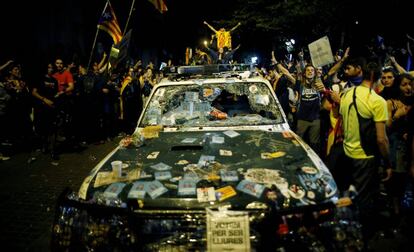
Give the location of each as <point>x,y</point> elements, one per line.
<point>29,189</point>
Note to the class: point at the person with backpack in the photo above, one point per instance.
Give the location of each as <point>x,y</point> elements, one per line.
<point>364,114</point>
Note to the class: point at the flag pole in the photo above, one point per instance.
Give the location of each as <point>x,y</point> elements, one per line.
<point>96,36</point>
<point>129,17</point>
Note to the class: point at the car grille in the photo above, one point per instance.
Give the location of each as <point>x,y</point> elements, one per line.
<point>91,227</point>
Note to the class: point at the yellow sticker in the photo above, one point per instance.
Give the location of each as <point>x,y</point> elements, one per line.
<point>213,177</point>
<point>343,202</point>
<point>225,193</point>
<point>309,170</point>
<point>272,155</point>
<point>105,178</point>
<point>208,92</point>
<point>140,203</point>
<point>151,131</point>
<point>182,162</point>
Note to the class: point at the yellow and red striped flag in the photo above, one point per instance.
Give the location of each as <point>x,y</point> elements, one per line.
<point>159,5</point>
<point>109,23</point>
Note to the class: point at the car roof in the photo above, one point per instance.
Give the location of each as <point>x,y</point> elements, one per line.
<point>220,73</point>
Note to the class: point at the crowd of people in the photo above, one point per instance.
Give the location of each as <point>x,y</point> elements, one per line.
<point>70,106</point>
<point>355,113</point>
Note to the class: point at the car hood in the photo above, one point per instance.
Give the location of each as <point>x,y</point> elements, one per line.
<point>193,170</point>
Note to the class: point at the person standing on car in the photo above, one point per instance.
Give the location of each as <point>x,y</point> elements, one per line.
<point>223,36</point>
<point>364,115</point>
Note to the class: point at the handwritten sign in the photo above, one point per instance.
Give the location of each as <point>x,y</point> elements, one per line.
<point>228,233</point>
<point>320,52</point>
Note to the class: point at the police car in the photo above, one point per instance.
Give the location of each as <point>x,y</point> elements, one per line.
<point>211,165</point>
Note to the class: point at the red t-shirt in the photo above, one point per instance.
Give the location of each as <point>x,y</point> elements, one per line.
<point>63,79</point>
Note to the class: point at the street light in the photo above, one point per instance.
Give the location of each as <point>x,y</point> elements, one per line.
<point>254,60</point>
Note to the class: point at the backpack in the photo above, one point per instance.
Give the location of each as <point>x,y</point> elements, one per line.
<point>367,130</point>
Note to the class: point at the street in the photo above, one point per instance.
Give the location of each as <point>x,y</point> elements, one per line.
<point>28,193</point>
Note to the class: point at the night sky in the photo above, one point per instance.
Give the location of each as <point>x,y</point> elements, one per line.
<point>35,32</point>
<point>72,24</point>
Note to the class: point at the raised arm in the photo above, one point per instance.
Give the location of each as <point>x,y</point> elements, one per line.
<point>211,27</point>
<point>5,64</point>
<point>283,70</point>
<point>338,64</point>
<point>301,61</point>
<point>102,65</point>
<point>397,66</point>
<point>235,49</point>
<point>235,27</point>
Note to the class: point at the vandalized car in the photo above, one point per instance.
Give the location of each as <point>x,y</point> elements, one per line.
<point>212,165</point>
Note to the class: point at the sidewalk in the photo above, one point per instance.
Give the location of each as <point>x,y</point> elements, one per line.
<point>28,193</point>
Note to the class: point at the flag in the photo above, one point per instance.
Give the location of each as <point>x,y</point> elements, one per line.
<point>409,57</point>
<point>159,5</point>
<point>380,42</point>
<point>109,23</point>
<point>124,46</point>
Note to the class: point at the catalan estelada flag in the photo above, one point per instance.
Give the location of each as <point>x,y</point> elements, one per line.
<point>109,23</point>
<point>159,5</point>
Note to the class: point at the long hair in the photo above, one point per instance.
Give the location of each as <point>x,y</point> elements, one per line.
<point>395,91</point>
<point>311,81</point>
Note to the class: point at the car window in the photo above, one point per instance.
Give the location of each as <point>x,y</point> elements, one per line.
<point>221,104</point>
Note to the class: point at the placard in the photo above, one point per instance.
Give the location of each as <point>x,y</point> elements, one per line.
<point>320,52</point>
<point>228,232</point>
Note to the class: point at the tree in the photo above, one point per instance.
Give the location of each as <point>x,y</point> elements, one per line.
<point>303,20</point>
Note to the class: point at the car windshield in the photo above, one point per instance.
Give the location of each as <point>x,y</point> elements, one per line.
<point>213,104</point>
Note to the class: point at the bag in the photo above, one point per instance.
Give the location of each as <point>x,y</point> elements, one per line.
<point>367,130</point>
